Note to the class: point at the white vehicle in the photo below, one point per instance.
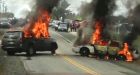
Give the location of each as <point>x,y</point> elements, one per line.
<point>54,23</point>
<point>112,48</point>
<point>63,27</point>
<point>85,50</point>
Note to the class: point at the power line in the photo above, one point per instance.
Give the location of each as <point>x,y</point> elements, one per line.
<point>3,6</point>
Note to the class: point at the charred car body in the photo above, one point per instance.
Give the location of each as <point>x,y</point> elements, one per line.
<point>110,48</point>
<point>14,41</point>
<point>107,48</point>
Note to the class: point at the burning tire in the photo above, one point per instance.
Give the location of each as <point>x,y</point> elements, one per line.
<point>84,51</point>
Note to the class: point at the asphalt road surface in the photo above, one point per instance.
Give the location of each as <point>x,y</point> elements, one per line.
<point>65,62</point>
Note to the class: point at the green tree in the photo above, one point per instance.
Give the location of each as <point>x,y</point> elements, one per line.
<point>61,11</point>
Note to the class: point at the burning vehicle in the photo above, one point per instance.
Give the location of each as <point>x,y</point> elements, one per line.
<point>100,44</point>
<point>35,34</point>
<point>98,47</point>
<point>15,42</point>
<point>104,49</point>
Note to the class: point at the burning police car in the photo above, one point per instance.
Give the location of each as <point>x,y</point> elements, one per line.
<point>105,48</point>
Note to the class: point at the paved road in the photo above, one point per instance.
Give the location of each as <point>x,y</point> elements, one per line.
<point>68,63</point>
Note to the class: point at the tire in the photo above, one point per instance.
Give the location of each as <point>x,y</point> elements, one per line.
<point>10,53</point>
<point>53,52</point>
<point>54,46</point>
<point>84,51</point>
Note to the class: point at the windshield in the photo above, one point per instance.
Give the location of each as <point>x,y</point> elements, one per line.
<point>13,33</point>
<point>63,25</point>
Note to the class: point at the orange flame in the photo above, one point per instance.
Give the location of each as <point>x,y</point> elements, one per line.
<point>96,36</point>
<point>26,31</point>
<point>125,51</point>
<point>39,28</point>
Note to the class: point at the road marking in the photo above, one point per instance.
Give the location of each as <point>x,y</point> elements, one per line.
<point>84,68</point>
<point>73,62</point>
<point>64,38</point>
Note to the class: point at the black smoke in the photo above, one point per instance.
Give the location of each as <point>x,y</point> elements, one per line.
<point>38,11</point>
<point>135,19</point>
<point>46,4</point>
<point>97,10</point>
<point>103,10</point>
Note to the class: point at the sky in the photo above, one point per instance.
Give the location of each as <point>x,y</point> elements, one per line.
<point>121,9</point>
<point>75,4</point>
<point>19,7</point>
<point>22,7</point>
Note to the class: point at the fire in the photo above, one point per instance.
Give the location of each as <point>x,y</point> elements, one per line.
<point>125,51</point>
<point>39,28</point>
<point>26,31</point>
<point>96,36</point>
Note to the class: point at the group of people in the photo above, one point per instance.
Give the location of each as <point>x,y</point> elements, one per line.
<point>74,25</point>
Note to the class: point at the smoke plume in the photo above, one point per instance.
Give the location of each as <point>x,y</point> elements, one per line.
<point>46,4</point>
<point>102,9</point>
<point>97,10</point>
<point>40,13</point>
<point>20,8</point>
<point>134,18</point>
<point>102,12</point>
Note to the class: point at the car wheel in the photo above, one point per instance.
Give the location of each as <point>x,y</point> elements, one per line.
<point>53,52</point>
<point>84,51</point>
<point>54,46</point>
<point>10,53</point>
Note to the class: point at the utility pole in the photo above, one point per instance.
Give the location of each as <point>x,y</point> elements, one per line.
<point>5,9</point>
<point>0,8</point>
<point>3,6</point>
